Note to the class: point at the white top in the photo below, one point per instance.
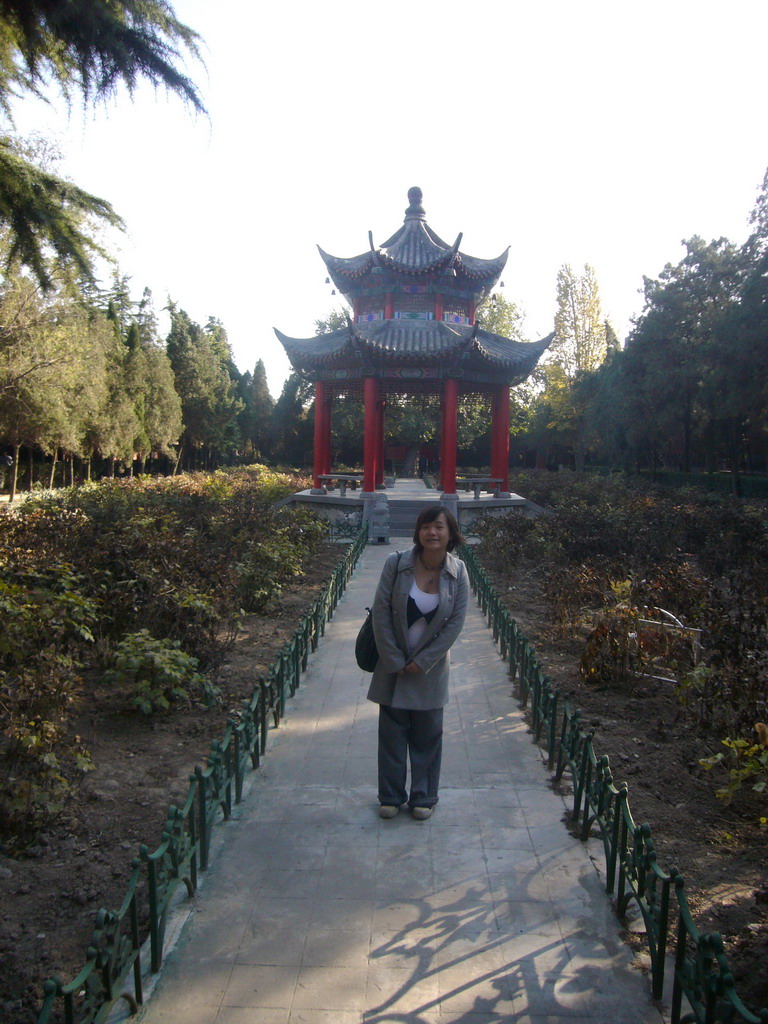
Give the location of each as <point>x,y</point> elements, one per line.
<point>425,603</point>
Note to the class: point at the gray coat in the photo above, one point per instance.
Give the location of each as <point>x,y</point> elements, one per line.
<point>427,689</point>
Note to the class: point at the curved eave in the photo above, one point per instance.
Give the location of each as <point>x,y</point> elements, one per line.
<point>412,342</point>
<point>354,266</point>
<point>510,354</point>
<point>317,351</point>
<point>481,270</point>
<point>346,272</point>
<point>416,259</point>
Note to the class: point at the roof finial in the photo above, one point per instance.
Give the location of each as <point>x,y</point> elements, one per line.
<point>415,208</point>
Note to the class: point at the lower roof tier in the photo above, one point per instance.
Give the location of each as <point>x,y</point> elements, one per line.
<point>374,348</point>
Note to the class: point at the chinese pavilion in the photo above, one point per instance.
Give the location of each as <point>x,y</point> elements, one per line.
<point>413,330</point>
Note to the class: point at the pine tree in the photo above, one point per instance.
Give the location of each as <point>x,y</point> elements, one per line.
<point>291,436</point>
<point>86,48</point>
<point>146,320</point>
<point>44,215</point>
<point>201,367</point>
<point>259,407</point>
<point>157,406</point>
<point>612,343</point>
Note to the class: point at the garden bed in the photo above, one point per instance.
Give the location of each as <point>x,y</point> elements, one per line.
<point>50,897</point>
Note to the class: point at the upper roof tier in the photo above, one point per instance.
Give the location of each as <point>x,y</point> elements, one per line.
<point>415,254</point>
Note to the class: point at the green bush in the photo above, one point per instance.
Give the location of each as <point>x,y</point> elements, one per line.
<point>41,761</point>
<point>745,760</point>
<point>46,622</point>
<point>157,673</point>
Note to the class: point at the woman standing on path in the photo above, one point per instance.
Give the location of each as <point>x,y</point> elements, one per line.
<point>418,612</point>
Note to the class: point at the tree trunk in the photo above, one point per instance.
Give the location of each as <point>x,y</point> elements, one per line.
<point>178,459</point>
<point>687,430</point>
<point>51,478</point>
<point>710,453</point>
<point>14,473</point>
<point>579,449</point>
<point>734,453</point>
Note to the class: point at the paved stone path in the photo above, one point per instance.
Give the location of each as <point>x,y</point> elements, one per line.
<point>317,911</point>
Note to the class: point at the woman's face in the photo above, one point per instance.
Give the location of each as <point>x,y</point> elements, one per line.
<point>434,537</point>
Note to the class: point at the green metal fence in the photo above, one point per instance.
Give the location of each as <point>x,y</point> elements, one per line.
<point>701,976</point>
<point>113,968</point>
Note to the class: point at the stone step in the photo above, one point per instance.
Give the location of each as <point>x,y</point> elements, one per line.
<point>402,516</point>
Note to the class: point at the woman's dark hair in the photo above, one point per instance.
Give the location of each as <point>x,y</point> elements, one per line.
<point>429,515</point>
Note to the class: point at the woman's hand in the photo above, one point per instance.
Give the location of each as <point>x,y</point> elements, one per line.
<point>410,669</point>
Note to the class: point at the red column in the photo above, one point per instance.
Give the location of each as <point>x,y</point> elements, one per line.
<point>380,442</point>
<point>389,308</point>
<point>500,437</point>
<point>320,434</point>
<point>494,432</point>
<point>370,446</point>
<point>327,408</point>
<point>441,447</point>
<point>471,312</point>
<point>438,307</point>
<point>451,410</point>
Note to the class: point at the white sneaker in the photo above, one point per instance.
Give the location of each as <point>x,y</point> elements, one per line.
<point>388,811</point>
<point>421,813</point>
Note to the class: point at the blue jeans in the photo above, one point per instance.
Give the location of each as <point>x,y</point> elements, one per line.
<point>420,735</point>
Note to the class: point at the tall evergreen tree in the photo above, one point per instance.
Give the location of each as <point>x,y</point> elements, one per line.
<point>291,424</point>
<point>157,406</point>
<point>37,353</point>
<point>677,341</point>
<point>209,402</point>
<point>256,418</point>
<point>146,320</point>
<point>612,343</point>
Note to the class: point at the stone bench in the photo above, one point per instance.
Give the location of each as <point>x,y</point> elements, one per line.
<point>342,480</point>
<point>478,483</point>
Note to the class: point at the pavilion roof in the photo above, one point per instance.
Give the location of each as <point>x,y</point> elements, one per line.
<point>389,343</point>
<point>414,251</point>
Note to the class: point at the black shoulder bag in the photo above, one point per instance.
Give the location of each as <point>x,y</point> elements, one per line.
<point>366,652</point>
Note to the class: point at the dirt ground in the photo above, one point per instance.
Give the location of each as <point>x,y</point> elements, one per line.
<point>50,899</point>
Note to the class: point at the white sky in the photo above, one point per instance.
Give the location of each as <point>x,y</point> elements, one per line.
<point>574,131</point>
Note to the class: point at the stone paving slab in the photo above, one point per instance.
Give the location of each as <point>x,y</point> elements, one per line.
<point>316,911</point>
